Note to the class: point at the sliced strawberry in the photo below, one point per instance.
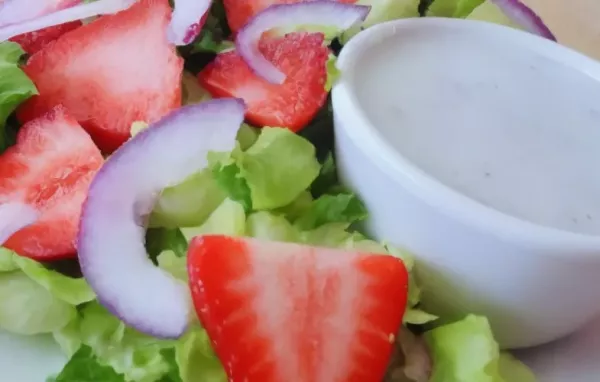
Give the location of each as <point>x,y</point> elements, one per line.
<point>50,168</point>
<point>301,56</point>
<point>239,12</point>
<point>34,41</point>
<point>110,73</point>
<point>286,312</point>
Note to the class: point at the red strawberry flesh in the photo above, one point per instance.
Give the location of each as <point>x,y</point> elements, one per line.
<point>35,41</point>
<point>239,12</point>
<point>50,168</point>
<point>282,312</point>
<point>301,56</point>
<point>110,73</point>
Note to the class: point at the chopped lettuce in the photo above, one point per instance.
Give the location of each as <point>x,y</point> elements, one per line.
<point>209,43</point>
<point>29,308</point>
<point>160,239</point>
<point>465,351</point>
<point>386,10</point>
<point>229,177</point>
<point>511,369</point>
<point>327,179</point>
<point>272,173</point>
<point>15,87</point>
<point>382,11</point>
<point>74,291</point>
<point>488,11</point>
<point>173,264</point>
<point>266,226</point>
<point>189,203</point>
<point>196,359</point>
<point>333,72</point>
<point>138,357</point>
<point>453,8</point>
<point>84,367</point>
<point>7,262</point>
<point>36,299</point>
<point>340,208</point>
<point>228,219</point>
<point>68,337</point>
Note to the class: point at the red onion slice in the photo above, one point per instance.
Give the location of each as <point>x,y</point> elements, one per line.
<point>111,237</point>
<point>524,16</point>
<point>320,12</point>
<point>16,11</point>
<point>13,217</point>
<point>186,20</point>
<point>74,13</point>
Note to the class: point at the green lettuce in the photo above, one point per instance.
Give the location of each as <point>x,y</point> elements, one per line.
<point>270,174</point>
<point>228,219</point>
<point>465,351</point>
<point>15,87</point>
<point>135,356</point>
<point>173,264</point>
<point>84,367</point>
<point>188,204</point>
<point>333,72</point>
<point>453,8</point>
<point>340,208</point>
<point>209,43</point>
<point>267,226</point>
<point>161,239</point>
<point>29,308</point>
<point>488,11</point>
<point>196,359</point>
<point>382,11</point>
<point>36,299</point>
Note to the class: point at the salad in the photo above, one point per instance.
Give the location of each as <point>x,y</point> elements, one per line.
<point>169,206</point>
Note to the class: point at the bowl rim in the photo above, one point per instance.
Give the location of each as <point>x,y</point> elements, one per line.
<point>424,186</point>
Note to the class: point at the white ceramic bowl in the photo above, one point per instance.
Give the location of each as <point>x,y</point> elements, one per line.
<point>533,282</point>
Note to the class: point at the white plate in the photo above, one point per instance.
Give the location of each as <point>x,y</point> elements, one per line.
<point>575,359</point>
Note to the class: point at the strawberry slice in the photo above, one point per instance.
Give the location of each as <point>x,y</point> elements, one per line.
<point>286,312</point>
<point>50,168</point>
<point>239,12</point>
<point>35,41</point>
<point>301,56</point>
<point>110,73</point>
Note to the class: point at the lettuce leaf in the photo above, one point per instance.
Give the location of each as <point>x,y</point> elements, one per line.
<point>135,356</point>
<point>382,11</point>
<point>340,208</point>
<point>488,11</point>
<point>465,351</point>
<point>228,219</point>
<point>333,73</point>
<point>36,299</point>
<point>267,226</point>
<point>29,308</point>
<point>453,8</point>
<point>189,203</point>
<point>15,87</point>
<point>84,367</point>
<point>196,359</point>
<point>161,239</point>
<point>270,174</point>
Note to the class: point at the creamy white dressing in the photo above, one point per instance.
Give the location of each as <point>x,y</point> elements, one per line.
<point>519,133</point>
